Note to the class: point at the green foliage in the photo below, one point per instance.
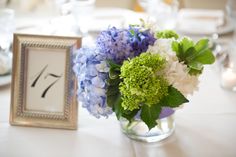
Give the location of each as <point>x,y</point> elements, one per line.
<point>150,114</point>
<point>135,87</point>
<point>174,98</point>
<point>167,34</point>
<point>117,108</point>
<point>141,84</point>
<point>193,55</point>
<point>113,93</point>
<point>129,115</point>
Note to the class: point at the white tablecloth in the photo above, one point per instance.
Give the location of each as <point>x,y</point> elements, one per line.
<point>205,127</point>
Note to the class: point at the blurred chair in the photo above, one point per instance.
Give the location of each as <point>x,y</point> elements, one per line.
<point>199,4</point>
<point>129,4</point>
<point>205,4</point>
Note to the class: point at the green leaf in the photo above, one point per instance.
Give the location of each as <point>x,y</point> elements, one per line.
<point>115,102</point>
<point>113,93</point>
<point>174,98</point>
<point>201,45</point>
<point>129,115</point>
<point>150,114</point>
<point>112,90</point>
<point>205,57</point>
<point>114,71</point>
<point>113,82</point>
<point>114,74</point>
<point>112,64</point>
<point>196,66</point>
<point>175,46</point>
<point>195,72</point>
<point>117,108</point>
<point>189,54</point>
<point>187,43</point>
<point>194,56</point>
<point>111,100</point>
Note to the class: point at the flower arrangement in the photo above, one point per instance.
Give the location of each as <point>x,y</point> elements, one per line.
<point>138,71</point>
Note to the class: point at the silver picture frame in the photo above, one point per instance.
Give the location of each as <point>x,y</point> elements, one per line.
<point>57,109</point>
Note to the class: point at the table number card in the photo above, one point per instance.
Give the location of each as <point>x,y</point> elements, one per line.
<point>43,84</point>
<point>45,80</point>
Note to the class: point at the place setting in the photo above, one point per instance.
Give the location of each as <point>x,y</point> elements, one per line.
<point>6,31</point>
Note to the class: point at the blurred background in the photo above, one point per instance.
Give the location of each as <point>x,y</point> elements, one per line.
<point>206,126</point>
<point>214,19</point>
<point>129,4</point>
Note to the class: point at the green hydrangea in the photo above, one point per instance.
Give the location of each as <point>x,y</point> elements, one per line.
<point>141,84</point>
<point>167,34</point>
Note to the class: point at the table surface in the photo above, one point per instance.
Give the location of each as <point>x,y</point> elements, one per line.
<point>206,127</point>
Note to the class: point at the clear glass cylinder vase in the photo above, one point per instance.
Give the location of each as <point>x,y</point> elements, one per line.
<point>139,131</point>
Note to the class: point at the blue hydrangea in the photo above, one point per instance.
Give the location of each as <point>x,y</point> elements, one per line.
<point>91,70</point>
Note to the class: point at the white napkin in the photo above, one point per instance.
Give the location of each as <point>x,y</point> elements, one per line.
<point>200,21</point>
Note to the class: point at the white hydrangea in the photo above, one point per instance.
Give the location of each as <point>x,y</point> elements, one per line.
<point>177,75</point>
<point>163,47</point>
<point>176,72</point>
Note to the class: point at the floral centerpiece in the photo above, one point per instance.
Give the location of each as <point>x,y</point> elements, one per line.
<point>138,72</point>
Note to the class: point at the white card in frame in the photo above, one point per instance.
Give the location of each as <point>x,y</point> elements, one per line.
<point>43,92</point>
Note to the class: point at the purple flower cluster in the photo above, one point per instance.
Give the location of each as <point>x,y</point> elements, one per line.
<point>140,39</point>
<point>121,44</point>
<point>114,44</point>
<point>92,70</point>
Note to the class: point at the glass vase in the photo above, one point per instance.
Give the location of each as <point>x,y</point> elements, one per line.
<point>165,12</point>
<point>138,130</point>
